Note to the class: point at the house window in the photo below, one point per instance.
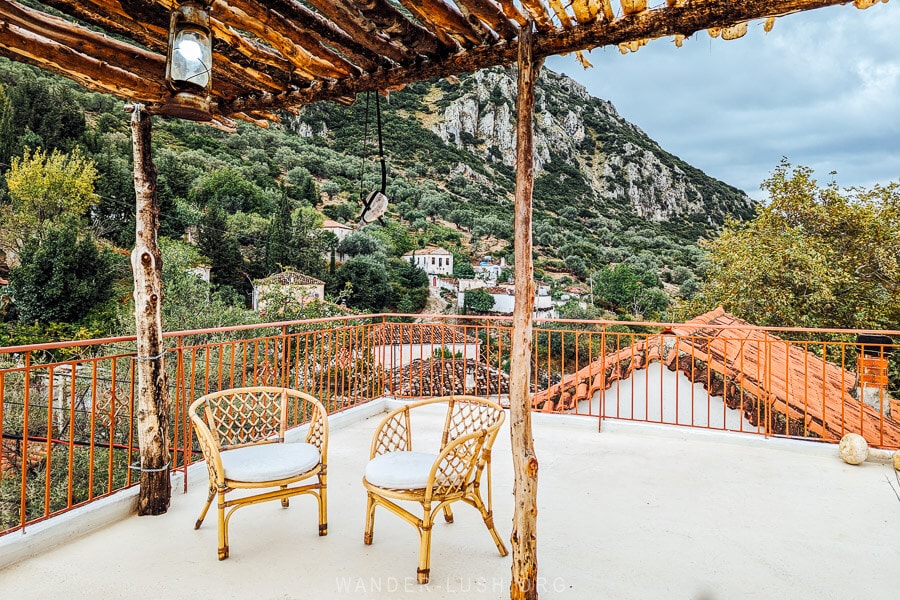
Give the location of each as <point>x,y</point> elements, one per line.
<point>440,262</point>
<point>432,260</point>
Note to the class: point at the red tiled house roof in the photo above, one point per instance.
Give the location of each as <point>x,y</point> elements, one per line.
<point>755,370</point>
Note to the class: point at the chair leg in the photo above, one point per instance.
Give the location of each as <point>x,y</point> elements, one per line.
<point>285,502</point>
<point>370,518</point>
<point>489,521</point>
<point>424,570</point>
<point>322,497</point>
<point>223,528</point>
<point>448,514</point>
<point>209,499</point>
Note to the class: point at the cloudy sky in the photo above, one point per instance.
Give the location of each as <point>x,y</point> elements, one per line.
<point>822,89</point>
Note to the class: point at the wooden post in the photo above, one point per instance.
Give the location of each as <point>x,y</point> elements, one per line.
<point>525,465</point>
<point>152,391</point>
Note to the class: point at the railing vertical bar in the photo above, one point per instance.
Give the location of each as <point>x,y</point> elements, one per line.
<point>71,468</point>
<point>26,426</point>
<point>49,436</point>
<point>132,375</point>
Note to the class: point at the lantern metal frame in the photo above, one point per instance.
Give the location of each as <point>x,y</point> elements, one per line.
<point>189,100</point>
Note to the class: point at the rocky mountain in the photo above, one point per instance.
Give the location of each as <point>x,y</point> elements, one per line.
<point>617,159</point>
<point>604,190</point>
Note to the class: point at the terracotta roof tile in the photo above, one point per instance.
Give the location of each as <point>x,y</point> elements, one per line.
<point>394,334</point>
<point>813,393</point>
<point>290,278</point>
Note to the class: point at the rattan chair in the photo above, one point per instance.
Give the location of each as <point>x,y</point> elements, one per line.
<point>396,472</point>
<point>242,436</point>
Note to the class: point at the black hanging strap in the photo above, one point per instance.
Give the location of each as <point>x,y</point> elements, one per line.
<point>380,144</point>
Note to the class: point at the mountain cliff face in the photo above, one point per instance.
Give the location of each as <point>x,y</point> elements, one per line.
<point>604,191</point>
<point>617,160</point>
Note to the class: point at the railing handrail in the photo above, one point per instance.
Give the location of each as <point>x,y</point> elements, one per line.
<point>436,317</point>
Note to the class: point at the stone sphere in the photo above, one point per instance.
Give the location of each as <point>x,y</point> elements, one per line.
<point>853,448</point>
<point>897,460</point>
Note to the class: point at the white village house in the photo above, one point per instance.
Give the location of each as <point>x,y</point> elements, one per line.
<point>505,298</point>
<point>340,231</point>
<point>432,260</point>
<point>299,287</point>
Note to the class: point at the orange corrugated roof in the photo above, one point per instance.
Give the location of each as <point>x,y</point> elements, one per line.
<point>793,381</point>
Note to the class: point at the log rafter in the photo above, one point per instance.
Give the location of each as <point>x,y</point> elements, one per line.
<point>662,22</point>
<point>285,53</point>
<point>231,66</point>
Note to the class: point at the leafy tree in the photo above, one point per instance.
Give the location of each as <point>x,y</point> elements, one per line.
<point>228,189</point>
<point>689,288</point>
<point>395,237</point>
<point>47,115</point>
<point>621,286</point>
<point>113,216</point>
<point>7,128</point>
<point>302,187</point>
<point>813,257</point>
<point>344,211</point>
<point>278,248</point>
<point>577,265</point>
<point>681,274</point>
<point>61,276</point>
<point>44,189</point>
<point>173,184</point>
<point>410,285</point>
<point>309,242</point>
<point>462,218</point>
<point>369,278</point>
<point>434,203</point>
<point>478,300</point>
<point>360,243</point>
<point>222,249</point>
<point>462,268</point>
<point>331,189</point>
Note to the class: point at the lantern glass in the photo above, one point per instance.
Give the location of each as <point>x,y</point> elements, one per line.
<point>191,58</point>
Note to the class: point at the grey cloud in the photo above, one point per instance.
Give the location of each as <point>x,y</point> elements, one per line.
<point>823,89</point>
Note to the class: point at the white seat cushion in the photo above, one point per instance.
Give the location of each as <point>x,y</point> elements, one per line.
<point>402,470</point>
<point>268,462</point>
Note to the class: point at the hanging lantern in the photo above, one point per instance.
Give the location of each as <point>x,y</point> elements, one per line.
<point>189,63</point>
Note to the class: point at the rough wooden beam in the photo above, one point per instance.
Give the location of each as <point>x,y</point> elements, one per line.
<point>513,13</point>
<point>490,13</point>
<point>23,45</point>
<point>152,390</point>
<point>524,580</point>
<point>538,13</point>
<point>560,11</point>
<point>131,58</point>
<point>586,11</point>
<point>381,16</point>
<point>362,31</point>
<point>663,21</point>
<point>310,21</point>
<point>447,23</point>
<point>112,18</point>
<point>303,51</point>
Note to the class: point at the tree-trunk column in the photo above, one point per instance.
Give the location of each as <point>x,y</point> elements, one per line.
<point>152,391</point>
<point>524,532</point>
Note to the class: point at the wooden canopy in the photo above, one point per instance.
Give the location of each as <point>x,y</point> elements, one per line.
<point>279,54</point>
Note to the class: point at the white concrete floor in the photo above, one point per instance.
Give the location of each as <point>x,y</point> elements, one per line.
<point>636,511</point>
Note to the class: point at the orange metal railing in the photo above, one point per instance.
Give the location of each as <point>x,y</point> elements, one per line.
<point>67,410</point>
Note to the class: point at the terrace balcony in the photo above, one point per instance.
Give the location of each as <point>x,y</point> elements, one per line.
<point>719,478</point>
